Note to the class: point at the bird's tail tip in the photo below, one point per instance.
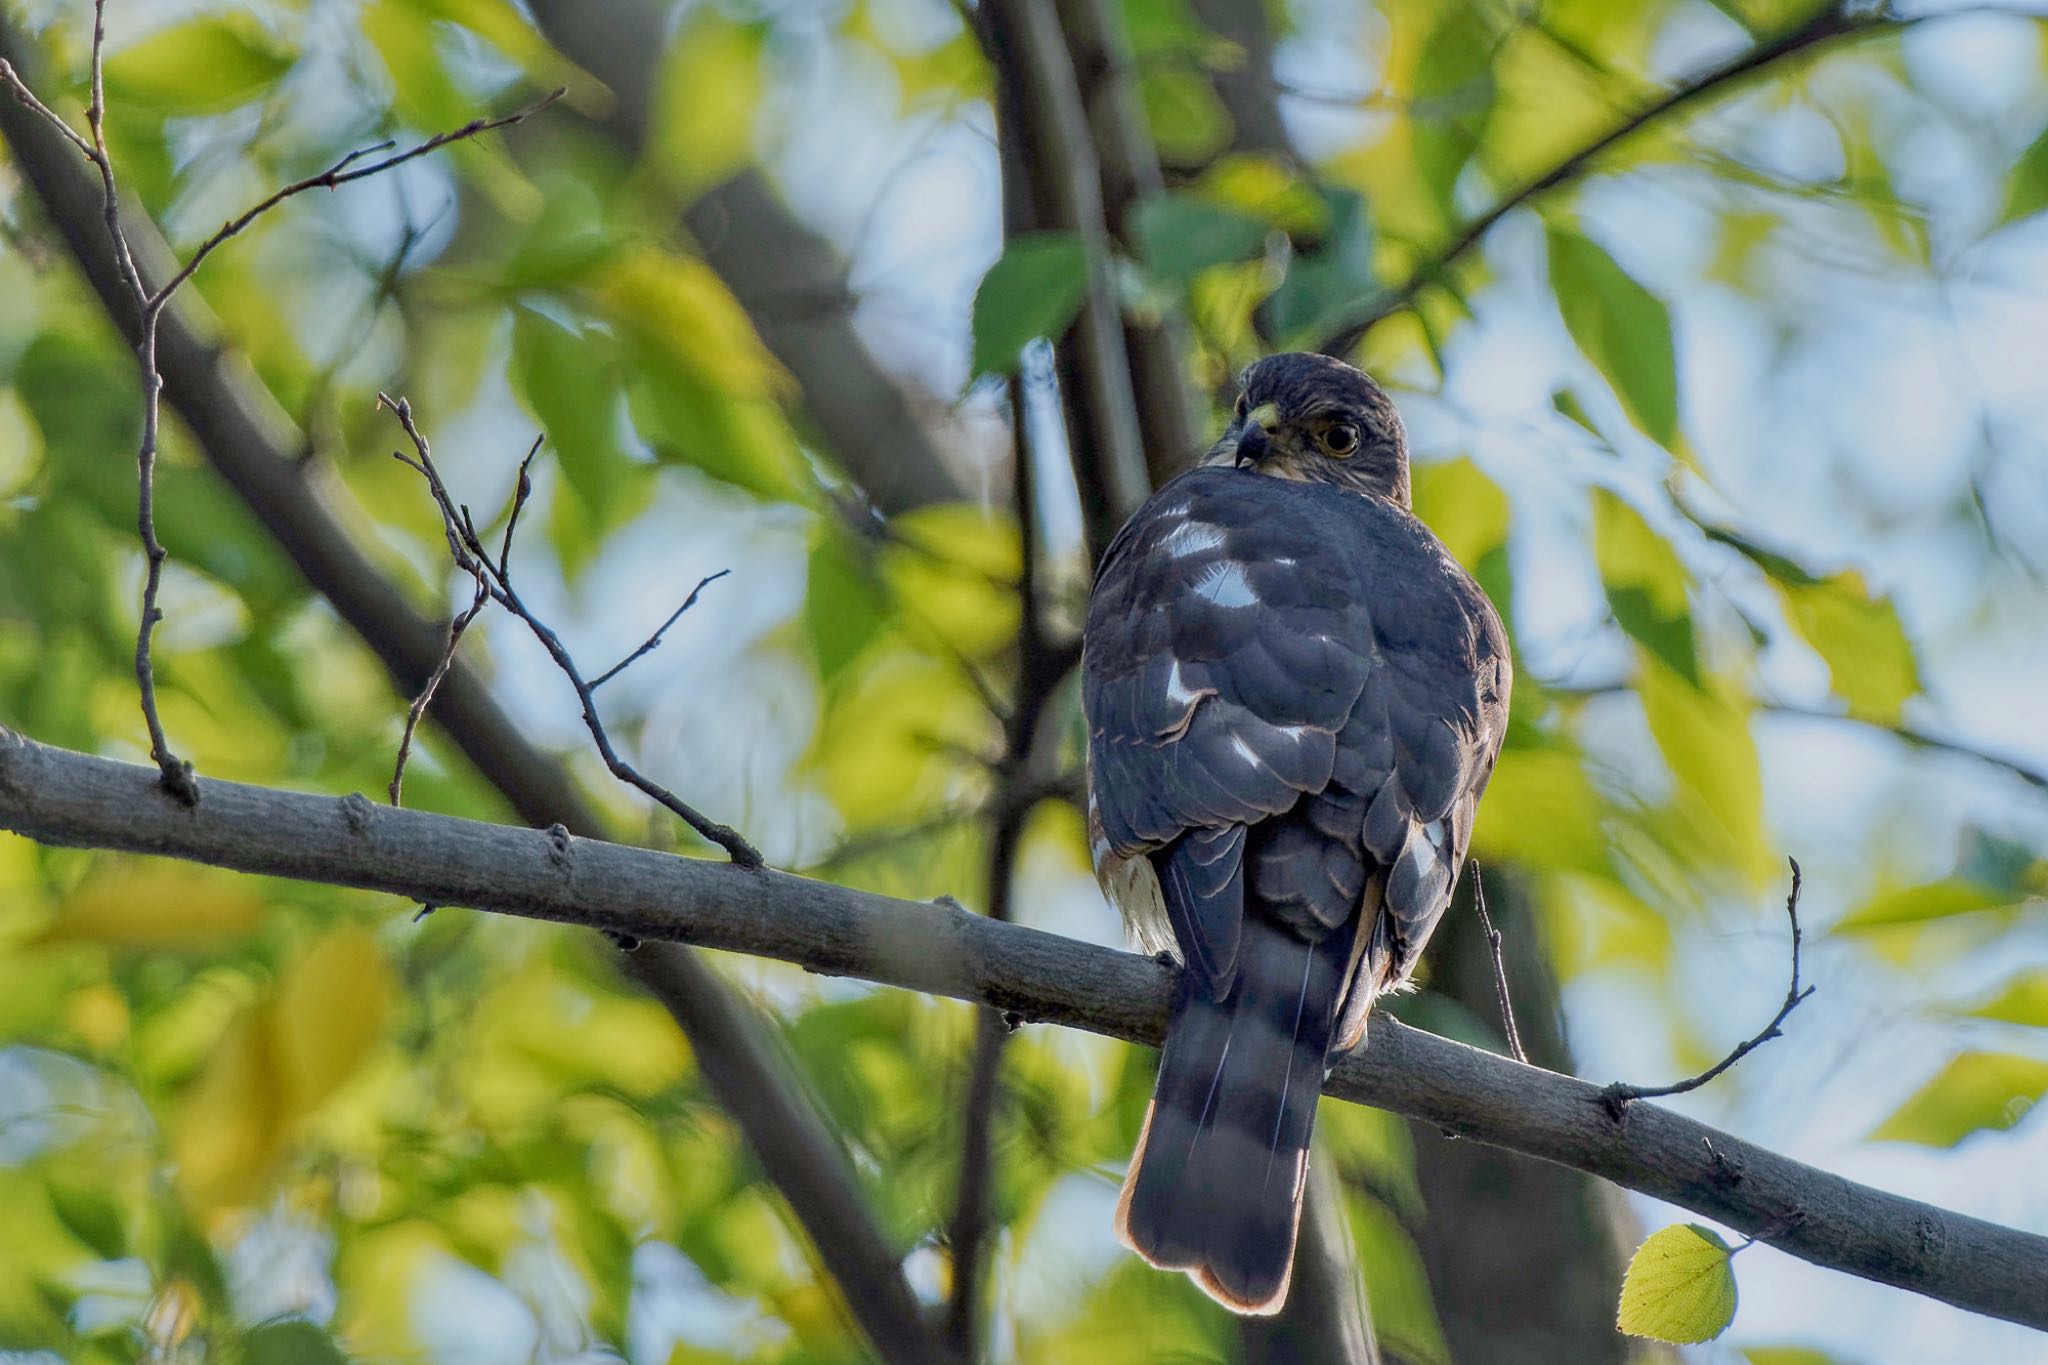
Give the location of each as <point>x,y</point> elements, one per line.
<point>1259,1297</point>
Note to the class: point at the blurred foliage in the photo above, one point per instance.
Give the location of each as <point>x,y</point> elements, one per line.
<point>264,1122</point>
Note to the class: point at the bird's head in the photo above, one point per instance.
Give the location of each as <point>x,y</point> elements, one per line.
<point>1307,417</point>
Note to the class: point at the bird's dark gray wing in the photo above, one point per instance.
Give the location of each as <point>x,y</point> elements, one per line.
<point>1225,650</point>
<point>1303,677</point>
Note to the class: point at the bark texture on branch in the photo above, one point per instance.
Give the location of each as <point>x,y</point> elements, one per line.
<point>74,799</point>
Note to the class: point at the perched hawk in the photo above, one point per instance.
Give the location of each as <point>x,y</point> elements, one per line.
<point>1294,699</point>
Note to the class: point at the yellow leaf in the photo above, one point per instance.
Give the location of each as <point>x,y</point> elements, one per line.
<point>228,1136</point>
<point>1975,1092</point>
<point>21,444</point>
<point>1541,811</point>
<point>678,306</point>
<point>327,1015</point>
<point>1467,511</point>
<point>1679,1287</point>
<point>951,569</point>
<point>37,1250</point>
<point>540,1033</point>
<point>1860,638</point>
<point>377,1274</point>
<point>137,903</point>
<point>703,126</point>
<point>98,1014</point>
<point>1706,742</point>
<point>201,66</point>
<point>887,751</point>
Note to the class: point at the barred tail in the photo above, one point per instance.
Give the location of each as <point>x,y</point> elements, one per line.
<point>1215,1186</point>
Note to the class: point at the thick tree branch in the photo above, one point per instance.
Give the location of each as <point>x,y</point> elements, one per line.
<point>73,799</point>
<point>252,445</point>
<point>1836,22</point>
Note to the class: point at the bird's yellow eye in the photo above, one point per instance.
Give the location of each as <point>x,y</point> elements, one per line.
<point>1339,440</point>
<point>1243,406</point>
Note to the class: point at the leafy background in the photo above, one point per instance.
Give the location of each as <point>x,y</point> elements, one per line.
<point>1743,428</point>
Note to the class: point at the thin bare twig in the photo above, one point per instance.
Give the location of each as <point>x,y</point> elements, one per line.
<point>1500,968</point>
<point>340,173</point>
<point>653,640</point>
<point>419,705</point>
<point>467,550</point>
<point>176,773</point>
<point>1618,1096</point>
<point>1830,24</point>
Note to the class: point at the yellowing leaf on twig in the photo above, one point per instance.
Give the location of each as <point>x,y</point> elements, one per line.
<point>1679,1287</point>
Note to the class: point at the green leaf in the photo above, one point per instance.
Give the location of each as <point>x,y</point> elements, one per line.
<point>198,67</point>
<point>1868,655</point>
<point>1679,1287</point>
<point>1454,72</point>
<point>704,388</point>
<point>90,1212</point>
<point>711,84</point>
<point>1703,733</point>
<point>844,605</point>
<point>292,1342</point>
<point>1467,510</point>
<point>1326,277</point>
<point>1623,328</point>
<point>1646,584</point>
<point>570,382</point>
<point>2026,189</point>
<point>2023,1000</point>
<point>1975,1092</point>
<point>1180,235</point>
<point>1404,1314</point>
<point>1033,291</point>
<point>1189,123</point>
<point>1930,900</point>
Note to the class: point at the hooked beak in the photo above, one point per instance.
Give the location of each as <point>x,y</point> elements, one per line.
<point>1254,440</point>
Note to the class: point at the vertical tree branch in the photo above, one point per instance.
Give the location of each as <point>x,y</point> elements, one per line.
<point>1128,167</point>
<point>1050,158</point>
<point>1039,669</point>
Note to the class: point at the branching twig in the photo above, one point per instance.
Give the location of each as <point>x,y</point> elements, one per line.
<point>653,640</point>
<point>341,173</point>
<point>1500,969</point>
<point>1618,1096</point>
<point>176,773</point>
<point>467,550</point>
<point>419,705</point>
